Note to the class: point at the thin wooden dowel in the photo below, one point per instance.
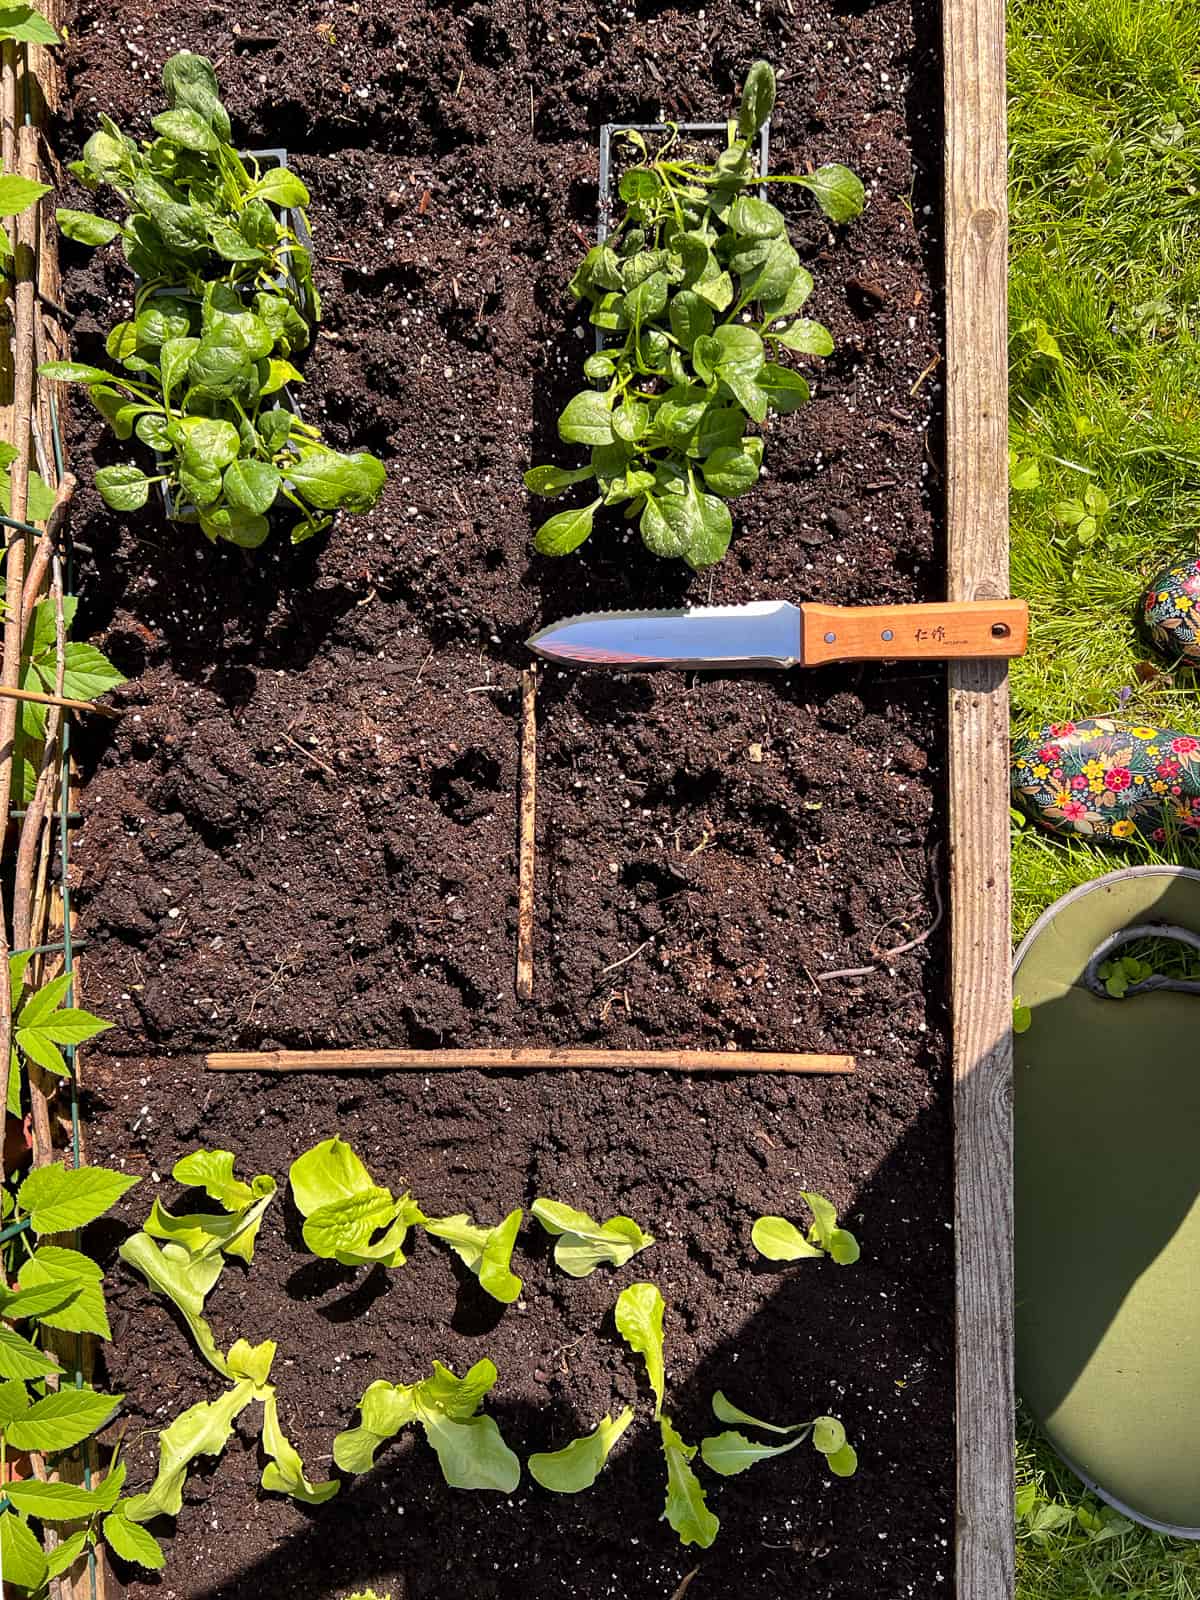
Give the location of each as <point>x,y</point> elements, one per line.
<point>9,692</point>
<point>528,832</point>
<point>523,1060</point>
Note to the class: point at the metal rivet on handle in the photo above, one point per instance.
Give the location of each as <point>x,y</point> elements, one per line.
<point>887,634</point>
<point>831,638</point>
<point>1000,630</point>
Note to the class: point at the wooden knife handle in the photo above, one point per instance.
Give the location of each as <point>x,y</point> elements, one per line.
<point>939,632</point>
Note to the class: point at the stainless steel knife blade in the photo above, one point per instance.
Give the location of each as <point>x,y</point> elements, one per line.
<point>762,633</point>
<point>775,633</point>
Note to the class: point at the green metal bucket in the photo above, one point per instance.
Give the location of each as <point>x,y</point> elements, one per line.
<point>1107,1199</point>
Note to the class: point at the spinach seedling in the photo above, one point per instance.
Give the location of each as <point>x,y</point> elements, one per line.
<point>198,210</point>
<point>470,1450</point>
<point>226,298</point>
<point>732,1452</point>
<point>344,1209</point>
<point>582,1243</point>
<point>780,1240</point>
<point>577,1465</point>
<point>699,289</point>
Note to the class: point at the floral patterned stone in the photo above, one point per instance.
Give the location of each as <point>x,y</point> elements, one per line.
<point>1109,778</point>
<point>1171,607</point>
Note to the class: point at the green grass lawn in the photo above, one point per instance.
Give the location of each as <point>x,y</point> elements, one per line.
<point>1104,137</point>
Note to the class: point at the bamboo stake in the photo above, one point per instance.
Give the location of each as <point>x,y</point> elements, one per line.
<point>23,385</point>
<point>9,693</point>
<point>41,1086</point>
<point>528,832</point>
<point>40,563</point>
<point>523,1060</point>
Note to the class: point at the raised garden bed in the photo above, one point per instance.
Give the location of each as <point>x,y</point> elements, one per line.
<point>302,831</point>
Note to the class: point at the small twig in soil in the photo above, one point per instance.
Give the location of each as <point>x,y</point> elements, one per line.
<point>928,373</point>
<point>612,967</point>
<point>528,833</point>
<point>310,755</point>
<point>846,972</point>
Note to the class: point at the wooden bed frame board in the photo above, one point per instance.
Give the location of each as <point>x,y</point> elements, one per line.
<point>977,569</point>
<point>980,954</point>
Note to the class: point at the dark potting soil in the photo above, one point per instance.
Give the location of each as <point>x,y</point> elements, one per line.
<point>302,831</point>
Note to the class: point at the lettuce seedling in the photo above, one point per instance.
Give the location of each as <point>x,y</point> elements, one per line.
<point>780,1240</point>
<point>732,1452</point>
<point>639,1318</point>
<point>205,1429</point>
<point>698,287</point>
<point>486,1252</point>
<point>344,1209</point>
<point>232,1231</point>
<point>584,1243</point>
<point>686,1508</point>
<point>577,1465</point>
<point>191,1260</point>
<point>469,1447</point>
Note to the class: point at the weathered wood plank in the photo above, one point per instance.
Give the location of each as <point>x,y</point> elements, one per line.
<point>977,512</point>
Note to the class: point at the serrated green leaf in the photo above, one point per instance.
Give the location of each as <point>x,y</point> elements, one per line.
<point>61,1198</point>
<point>17,194</point>
<point>64,1502</point>
<point>132,1543</point>
<point>21,1359</point>
<point>22,1560</point>
<point>61,1419</point>
<point>71,1273</point>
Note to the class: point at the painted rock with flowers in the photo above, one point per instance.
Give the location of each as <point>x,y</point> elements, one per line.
<point>1171,609</point>
<point>1109,778</point>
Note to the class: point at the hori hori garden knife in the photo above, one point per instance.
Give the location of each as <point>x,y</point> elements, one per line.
<point>775,633</point>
